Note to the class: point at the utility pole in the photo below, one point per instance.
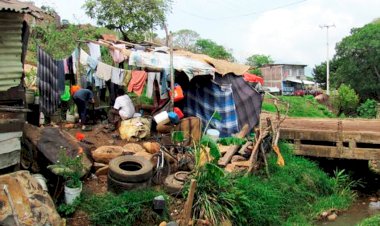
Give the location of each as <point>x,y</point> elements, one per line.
<point>327,57</point>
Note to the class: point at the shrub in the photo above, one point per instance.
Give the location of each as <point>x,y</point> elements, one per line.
<point>346,100</point>
<point>368,109</point>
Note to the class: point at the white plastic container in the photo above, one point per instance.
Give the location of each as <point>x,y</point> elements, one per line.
<point>162,118</point>
<point>213,133</point>
<point>72,193</point>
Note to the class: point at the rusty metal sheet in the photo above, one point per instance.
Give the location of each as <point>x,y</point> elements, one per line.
<point>10,50</point>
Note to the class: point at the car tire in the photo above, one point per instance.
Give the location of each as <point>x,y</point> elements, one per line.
<point>173,186</point>
<point>118,187</point>
<point>130,169</point>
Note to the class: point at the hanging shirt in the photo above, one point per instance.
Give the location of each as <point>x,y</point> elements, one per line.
<point>137,82</point>
<point>117,54</point>
<point>117,76</point>
<point>149,86</point>
<point>125,106</point>
<point>94,50</point>
<point>104,71</point>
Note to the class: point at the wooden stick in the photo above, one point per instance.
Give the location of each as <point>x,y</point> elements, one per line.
<point>252,159</point>
<point>14,213</point>
<point>189,202</point>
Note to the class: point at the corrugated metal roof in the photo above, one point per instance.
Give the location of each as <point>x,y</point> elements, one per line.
<point>20,7</point>
<point>10,50</point>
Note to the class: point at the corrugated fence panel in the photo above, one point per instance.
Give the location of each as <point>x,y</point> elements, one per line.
<point>10,50</point>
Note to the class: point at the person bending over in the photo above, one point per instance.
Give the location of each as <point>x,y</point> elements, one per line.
<point>81,98</point>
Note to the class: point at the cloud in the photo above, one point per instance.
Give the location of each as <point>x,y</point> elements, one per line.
<point>293,35</point>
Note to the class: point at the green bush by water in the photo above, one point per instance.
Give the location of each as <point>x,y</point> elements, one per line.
<point>372,221</point>
<point>293,195</point>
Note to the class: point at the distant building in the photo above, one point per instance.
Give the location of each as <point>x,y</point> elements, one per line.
<point>285,77</point>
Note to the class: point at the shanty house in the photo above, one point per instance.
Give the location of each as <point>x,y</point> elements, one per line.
<point>13,45</point>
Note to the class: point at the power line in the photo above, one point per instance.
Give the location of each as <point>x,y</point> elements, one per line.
<point>242,15</point>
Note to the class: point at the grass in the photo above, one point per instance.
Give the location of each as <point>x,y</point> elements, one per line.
<point>295,194</point>
<point>305,106</point>
<point>371,221</point>
<point>129,208</point>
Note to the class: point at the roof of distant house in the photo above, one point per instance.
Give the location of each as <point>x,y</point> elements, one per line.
<point>20,7</point>
<point>285,64</point>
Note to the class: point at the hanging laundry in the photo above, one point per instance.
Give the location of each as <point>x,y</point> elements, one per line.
<point>94,50</point>
<point>127,77</point>
<point>104,71</point>
<point>149,86</point>
<point>92,63</point>
<point>117,76</point>
<point>48,85</point>
<point>137,82</point>
<point>117,54</point>
<point>74,57</point>
<point>83,57</point>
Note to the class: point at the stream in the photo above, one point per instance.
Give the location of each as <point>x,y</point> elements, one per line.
<point>360,209</point>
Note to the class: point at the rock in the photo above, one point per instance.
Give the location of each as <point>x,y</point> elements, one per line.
<point>144,154</point>
<point>104,154</point>
<point>133,147</point>
<point>324,214</point>
<point>32,204</point>
<point>151,147</point>
<point>332,217</point>
<point>111,142</point>
<point>374,205</point>
<point>373,199</point>
<point>102,171</point>
<point>238,158</point>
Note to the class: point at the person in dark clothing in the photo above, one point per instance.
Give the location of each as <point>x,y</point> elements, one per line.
<point>81,98</point>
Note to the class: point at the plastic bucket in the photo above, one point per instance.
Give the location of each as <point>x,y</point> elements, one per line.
<point>41,180</point>
<point>29,96</point>
<point>72,193</point>
<point>213,133</point>
<point>162,118</point>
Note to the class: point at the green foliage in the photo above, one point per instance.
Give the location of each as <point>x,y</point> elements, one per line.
<point>212,49</point>
<point>232,141</point>
<point>358,57</point>
<point>131,18</point>
<point>305,106</point>
<point>68,209</point>
<point>129,208</point>
<point>368,109</point>
<point>319,73</point>
<point>346,100</point>
<point>61,42</point>
<point>70,167</point>
<point>185,39</point>
<point>259,60</point>
<point>178,136</point>
<point>255,71</point>
<point>207,141</point>
<point>294,194</point>
<point>371,221</point>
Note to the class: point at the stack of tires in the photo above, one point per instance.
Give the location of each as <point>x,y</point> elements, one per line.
<point>128,173</point>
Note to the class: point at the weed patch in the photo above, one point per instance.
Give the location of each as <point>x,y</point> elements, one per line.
<point>129,208</point>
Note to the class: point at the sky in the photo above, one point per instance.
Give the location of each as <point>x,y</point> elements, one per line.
<point>287,30</point>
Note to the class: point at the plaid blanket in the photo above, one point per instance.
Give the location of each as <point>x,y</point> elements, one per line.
<point>247,100</point>
<point>204,97</point>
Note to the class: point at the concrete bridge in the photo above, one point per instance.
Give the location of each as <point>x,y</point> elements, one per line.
<point>334,138</point>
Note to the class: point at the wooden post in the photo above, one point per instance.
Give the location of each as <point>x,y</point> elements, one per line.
<point>171,72</point>
<point>189,202</point>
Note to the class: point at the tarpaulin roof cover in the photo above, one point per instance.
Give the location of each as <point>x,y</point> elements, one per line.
<point>253,78</point>
<point>222,67</point>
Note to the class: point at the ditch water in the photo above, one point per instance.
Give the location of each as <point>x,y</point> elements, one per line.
<point>360,210</point>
